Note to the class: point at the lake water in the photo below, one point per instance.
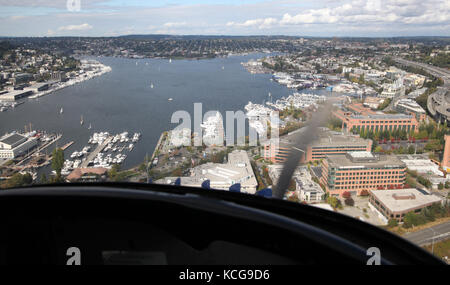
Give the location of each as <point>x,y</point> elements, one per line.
<point>122,100</point>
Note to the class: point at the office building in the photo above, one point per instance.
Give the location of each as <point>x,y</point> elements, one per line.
<point>357,171</point>
<point>329,142</point>
<point>395,204</point>
<point>376,122</point>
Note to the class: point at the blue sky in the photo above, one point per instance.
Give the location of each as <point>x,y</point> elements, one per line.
<point>226,17</point>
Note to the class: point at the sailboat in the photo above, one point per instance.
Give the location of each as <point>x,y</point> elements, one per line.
<point>81,120</point>
<point>90,127</point>
<point>151,86</point>
<point>61,111</point>
<point>223,67</point>
<point>170,99</point>
<point>170,60</point>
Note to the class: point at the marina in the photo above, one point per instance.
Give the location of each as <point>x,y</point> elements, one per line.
<point>109,150</point>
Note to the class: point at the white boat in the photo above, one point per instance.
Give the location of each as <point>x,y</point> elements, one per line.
<point>90,127</point>
<point>81,120</point>
<point>151,86</point>
<point>170,99</point>
<point>170,60</point>
<point>61,111</point>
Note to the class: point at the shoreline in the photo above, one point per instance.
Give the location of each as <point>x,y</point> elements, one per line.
<point>102,69</point>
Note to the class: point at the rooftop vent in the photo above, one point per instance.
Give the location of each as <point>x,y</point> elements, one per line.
<point>404,196</point>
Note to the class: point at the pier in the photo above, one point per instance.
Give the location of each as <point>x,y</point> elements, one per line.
<point>93,154</point>
<point>67,145</point>
<point>157,147</point>
<point>39,149</point>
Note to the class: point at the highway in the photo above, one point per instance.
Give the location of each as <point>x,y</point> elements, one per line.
<point>423,237</point>
<point>433,70</point>
<point>438,103</point>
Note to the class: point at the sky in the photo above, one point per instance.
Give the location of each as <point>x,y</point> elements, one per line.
<point>322,18</point>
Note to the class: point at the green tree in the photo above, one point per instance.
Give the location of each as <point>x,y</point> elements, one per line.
<point>57,161</point>
<point>447,184</point>
<point>392,223</point>
<point>43,179</point>
<point>113,172</point>
<point>440,186</point>
<point>410,220</point>
<point>378,149</point>
<point>334,202</point>
<point>18,180</point>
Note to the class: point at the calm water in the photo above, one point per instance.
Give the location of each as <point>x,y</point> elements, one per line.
<point>122,100</point>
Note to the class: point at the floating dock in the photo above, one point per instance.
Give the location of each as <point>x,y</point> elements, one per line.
<point>67,145</point>
<point>93,154</point>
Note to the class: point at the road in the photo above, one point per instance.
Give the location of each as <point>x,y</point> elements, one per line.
<point>438,103</point>
<point>433,70</point>
<point>423,237</point>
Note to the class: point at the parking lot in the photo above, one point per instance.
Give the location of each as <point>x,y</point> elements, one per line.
<point>361,210</point>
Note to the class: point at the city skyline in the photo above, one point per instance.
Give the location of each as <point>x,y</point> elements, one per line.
<point>323,18</point>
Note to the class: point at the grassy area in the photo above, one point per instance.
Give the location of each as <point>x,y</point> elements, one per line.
<point>441,249</point>
<point>401,230</point>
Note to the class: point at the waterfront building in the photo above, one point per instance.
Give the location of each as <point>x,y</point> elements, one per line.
<point>395,204</point>
<point>15,95</point>
<point>40,86</point>
<point>13,145</point>
<point>221,175</point>
<point>91,174</point>
<point>357,171</point>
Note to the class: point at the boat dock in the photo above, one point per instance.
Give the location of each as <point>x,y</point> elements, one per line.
<point>39,149</point>
<point>67,145</point>
<point>93,154</point>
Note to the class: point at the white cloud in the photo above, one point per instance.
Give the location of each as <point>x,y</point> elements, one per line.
<point>350,14</point>
<point>260,23</point>
<point>174,24</point>
<point>82,27</point>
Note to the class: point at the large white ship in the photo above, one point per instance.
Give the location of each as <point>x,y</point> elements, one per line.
<point>213,133</point>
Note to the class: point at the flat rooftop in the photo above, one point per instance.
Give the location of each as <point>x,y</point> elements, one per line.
<point>363,160</point>
<point>12,139</point>
<point>335,139</point>
<point>383,117</point>
<point>326,138</point>
<point>404,199</point>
